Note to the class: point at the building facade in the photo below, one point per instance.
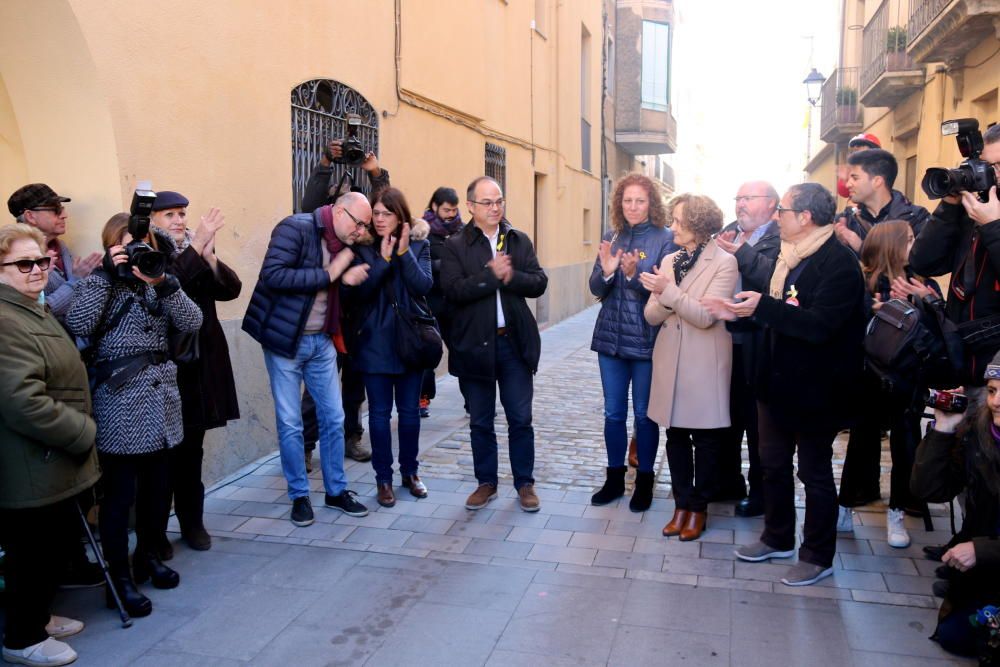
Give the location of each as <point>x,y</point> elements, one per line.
<point>231,101</point>
<point>906,66</point>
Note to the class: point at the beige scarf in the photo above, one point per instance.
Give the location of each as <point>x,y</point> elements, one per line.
<point>792,255</point>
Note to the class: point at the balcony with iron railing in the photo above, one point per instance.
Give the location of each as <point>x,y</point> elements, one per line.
<point>888,73</point>
<point>946,30</point>
<point>841,116</point>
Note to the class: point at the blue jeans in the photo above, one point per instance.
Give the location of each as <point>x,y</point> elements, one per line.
<point>315,363</point>
<point>516,392</point>
<point>380,388</point>
<point>616,375</point>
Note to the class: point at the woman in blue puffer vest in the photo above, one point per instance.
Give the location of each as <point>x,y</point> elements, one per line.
<point>638,240</point>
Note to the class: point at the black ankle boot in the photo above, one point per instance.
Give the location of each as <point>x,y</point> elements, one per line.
<point>136,604</point>
<point>614,487</point>
<point>642,495</point>
<point>148,565</point>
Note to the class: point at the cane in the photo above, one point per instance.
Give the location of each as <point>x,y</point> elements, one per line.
<point>126,621</point>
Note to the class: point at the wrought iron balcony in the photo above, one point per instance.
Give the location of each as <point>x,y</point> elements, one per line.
<point>841,116</point>
<point>945,30</point>
<point>888,73</point>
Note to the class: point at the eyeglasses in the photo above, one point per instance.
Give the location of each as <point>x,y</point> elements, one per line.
<point>781,209</point>
<point>744,198</point>
<point>499,203</point>
<point>26,265</point>
<point>360,225</point>
<point>55,208</point>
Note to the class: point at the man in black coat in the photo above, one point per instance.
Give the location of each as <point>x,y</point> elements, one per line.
<point>870,179</point>
<point>487,272</point>
<point>751,237</point>
<point>808,361</point>
<point>963,239</point>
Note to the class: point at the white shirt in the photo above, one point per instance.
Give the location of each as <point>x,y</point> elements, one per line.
<point>501,322</point>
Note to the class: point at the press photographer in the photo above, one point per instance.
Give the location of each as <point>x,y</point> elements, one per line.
<point>963,238</point>
<point>322,186</point>
<point>126,311</point>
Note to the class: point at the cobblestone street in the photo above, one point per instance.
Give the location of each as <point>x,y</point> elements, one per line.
<point>431,582</point>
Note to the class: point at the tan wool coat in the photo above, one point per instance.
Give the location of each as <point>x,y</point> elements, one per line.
<point>693,353</point>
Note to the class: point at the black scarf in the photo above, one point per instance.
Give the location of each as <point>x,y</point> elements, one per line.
<point>684,261</point>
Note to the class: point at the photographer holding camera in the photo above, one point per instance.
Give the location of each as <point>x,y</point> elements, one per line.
<point>127,310</point>
<point>322,184</point>
<point>963,238</point>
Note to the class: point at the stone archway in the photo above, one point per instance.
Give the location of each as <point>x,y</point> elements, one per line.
<point>55,124</point>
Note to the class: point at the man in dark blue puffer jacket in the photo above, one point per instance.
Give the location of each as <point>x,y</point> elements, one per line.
<point>295,315</point>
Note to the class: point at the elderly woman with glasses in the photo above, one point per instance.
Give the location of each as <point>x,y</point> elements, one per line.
<point>47,454</point>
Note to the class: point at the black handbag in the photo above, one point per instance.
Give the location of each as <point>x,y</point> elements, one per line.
<point>182,346</point>
<point>418,336</point>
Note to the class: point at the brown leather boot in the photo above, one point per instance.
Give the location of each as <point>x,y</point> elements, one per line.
<point>386,498</point>
<point>676,523</point>
<point>633,453</point>
<point>694,526</point>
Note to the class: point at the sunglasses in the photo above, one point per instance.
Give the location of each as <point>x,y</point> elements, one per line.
<point>25,265</point>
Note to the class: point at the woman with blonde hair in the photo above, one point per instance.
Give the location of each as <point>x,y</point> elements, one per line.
<point>47,455</point>
<point>623,340</point>
<point>692,358</point>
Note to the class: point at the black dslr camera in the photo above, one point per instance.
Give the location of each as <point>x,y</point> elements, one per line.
<point>352,152</point>
<point>973,175</point>
<point>150,262</point>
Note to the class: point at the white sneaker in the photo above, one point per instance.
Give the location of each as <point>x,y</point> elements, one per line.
<point>48,653</point>
<point>60,627</point>
<point>895,529</point>
<point>845,520</point>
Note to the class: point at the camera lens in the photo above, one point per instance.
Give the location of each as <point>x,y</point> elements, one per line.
<point>938,183</point>
<point>150,263</point>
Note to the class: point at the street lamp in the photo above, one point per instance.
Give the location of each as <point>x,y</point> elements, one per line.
<point>814,83</point>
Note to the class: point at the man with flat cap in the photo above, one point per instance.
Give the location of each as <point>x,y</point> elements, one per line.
<point>38,205</point>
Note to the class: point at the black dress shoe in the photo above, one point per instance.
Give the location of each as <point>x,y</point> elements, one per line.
<point>136,604</point>
<point>749,507</point>
<point>935,552</point>
<point>146,565</point>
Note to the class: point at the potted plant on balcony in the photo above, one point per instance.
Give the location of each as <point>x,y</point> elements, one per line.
<point>847,105</point>
<point>895,48</point>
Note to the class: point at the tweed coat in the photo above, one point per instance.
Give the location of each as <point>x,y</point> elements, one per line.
<point>693,354</point>
<point>144,415</point>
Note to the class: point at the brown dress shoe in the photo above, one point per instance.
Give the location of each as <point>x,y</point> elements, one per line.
<point>386,498</point>
<point>481,497</point>
<point>416,487</point>
<point>693,527</point>
<point>633,453</point>
<point>675,524</point>
<point>529,499</point>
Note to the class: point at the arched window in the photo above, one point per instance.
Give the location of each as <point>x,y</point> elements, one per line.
<point>319,113</point>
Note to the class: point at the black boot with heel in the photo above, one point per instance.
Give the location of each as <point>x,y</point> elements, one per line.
<point>148,565</point>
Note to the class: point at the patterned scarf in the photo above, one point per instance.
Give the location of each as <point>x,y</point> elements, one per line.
<point>684,261</point>
<point>334,245</point>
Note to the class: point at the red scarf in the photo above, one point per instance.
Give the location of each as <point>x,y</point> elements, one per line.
<point>334,245</point>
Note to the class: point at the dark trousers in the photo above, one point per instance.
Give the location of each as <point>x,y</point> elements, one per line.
<point>693,457</point>
<point>36,551</point>
<point>778,445</point>
<point>352,393</point>
<point>516,392</point>
<point>122,474</point>
<point>384,390</point>
<point>743,415</point>
<point>186,488</point>
<point>900,414</point>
